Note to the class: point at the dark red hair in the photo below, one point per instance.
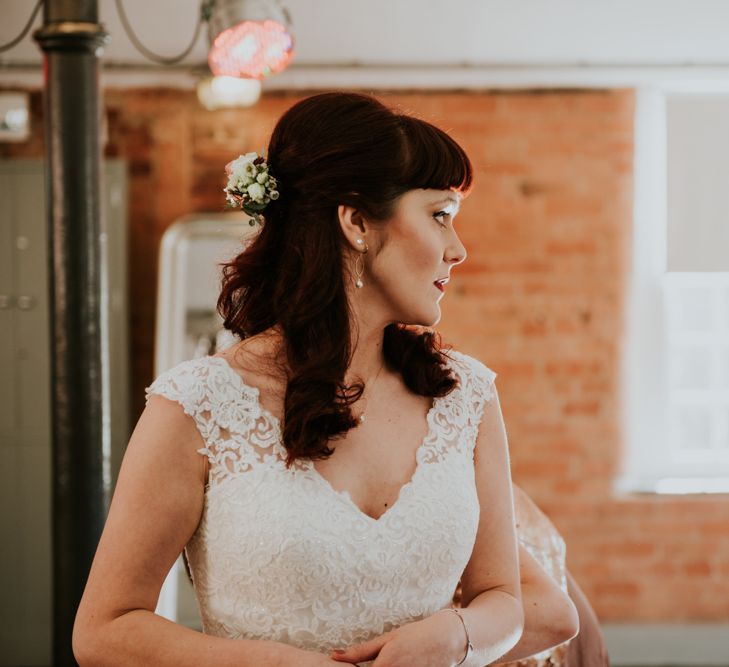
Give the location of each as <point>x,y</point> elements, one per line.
<point>326,150</point>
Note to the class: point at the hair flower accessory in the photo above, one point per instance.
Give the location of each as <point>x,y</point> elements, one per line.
<point>250,186</point>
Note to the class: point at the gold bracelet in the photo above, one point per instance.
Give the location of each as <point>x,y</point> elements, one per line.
<point>469,646</point>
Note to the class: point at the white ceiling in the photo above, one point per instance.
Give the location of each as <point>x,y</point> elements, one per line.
<point>453,32</point>
<point>460,34</point>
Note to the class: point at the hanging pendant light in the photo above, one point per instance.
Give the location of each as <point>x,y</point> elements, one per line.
<point>249,38</point>
<point>227,92</point>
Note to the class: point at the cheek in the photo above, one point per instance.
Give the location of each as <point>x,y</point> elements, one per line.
<point>408,259</point>
<point>422,251</point>
<point>409,252</point>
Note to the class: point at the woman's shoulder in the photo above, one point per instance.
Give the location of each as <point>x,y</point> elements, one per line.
<point>471,367</point>
<point>187,368</point>
<point>475,378</point>
<point>185,382</point>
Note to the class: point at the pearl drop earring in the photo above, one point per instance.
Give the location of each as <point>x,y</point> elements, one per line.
<point>359,272</point>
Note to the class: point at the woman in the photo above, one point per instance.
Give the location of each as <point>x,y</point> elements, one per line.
<point>297,548</point>
<point>540,543</point>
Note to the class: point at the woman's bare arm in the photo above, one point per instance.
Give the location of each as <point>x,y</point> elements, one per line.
<point>156,508</point>
<point>491,594</point>
<point>550,617</point>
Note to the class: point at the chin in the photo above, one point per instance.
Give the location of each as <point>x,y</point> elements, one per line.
<point>431,320</point>
<point>424,321</point>
<point>422,317</point>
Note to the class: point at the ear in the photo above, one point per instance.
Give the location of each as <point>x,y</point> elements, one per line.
<point>353,224</point>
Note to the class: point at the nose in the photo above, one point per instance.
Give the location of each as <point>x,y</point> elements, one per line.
<point>456,251</point>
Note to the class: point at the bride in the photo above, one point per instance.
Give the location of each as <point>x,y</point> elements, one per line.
<point>337,473</point>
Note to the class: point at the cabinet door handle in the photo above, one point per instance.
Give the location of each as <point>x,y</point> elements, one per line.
<point>25,302</point>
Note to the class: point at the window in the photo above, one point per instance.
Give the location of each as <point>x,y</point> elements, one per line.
<point>677,352</point>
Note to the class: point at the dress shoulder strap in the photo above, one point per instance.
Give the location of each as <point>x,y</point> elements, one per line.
<point>238,434</point>
<point>187,383</point>
<point>477,382</point>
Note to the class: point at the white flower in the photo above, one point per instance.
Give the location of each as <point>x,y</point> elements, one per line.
<point>243,166</point>
<point>239,163</point>
<point>256,191</point>
<point>250,170</point>
<point>250,183</point>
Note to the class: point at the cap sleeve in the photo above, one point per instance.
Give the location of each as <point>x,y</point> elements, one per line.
<point>186,384</point>
<point>479,384</point>
<point>483,388</point>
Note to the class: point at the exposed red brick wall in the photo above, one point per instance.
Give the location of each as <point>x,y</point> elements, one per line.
<point>540,299</point>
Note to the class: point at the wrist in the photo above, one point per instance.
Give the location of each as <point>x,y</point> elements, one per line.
<point>459,645</point>
<point>281,654</point>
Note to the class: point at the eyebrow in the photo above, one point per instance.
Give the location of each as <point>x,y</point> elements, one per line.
<point>452,200</point>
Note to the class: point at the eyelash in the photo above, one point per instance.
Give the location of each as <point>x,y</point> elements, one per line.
<point>441,213</point>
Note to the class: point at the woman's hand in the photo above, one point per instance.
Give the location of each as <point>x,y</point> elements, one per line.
<point>435,641</point>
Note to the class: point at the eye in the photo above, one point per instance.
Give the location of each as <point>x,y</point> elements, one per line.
<point>443,214</point>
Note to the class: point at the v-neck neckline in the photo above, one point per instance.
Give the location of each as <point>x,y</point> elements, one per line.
<point>308,464</point>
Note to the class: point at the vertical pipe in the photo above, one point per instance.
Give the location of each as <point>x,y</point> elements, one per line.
<point>72,39</point>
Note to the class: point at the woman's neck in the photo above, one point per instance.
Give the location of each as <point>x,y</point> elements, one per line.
<point>367,357</point>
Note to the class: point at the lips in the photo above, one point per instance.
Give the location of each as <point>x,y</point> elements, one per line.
<point>440,283</point>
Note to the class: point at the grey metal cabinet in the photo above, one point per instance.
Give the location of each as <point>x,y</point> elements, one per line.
<point>25,429</point>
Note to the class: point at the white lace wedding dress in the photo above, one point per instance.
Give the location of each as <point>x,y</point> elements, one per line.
<point>281,555</point>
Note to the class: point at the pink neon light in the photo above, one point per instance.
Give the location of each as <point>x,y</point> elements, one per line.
<point>252,50</point>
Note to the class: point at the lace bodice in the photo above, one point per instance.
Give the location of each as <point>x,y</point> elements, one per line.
<point>281,555</point>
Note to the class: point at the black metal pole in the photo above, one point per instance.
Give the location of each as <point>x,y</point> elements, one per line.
<point>72,40</point>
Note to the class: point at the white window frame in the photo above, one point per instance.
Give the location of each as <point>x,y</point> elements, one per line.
<point>646,365</point>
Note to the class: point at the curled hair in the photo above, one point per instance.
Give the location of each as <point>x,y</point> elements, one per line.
<point>326,150</point>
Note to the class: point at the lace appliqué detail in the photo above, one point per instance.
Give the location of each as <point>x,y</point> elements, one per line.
<point>238,433</point>
<point>280,555</point>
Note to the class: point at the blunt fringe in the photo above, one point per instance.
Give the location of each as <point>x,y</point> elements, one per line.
<point>326,150</point>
